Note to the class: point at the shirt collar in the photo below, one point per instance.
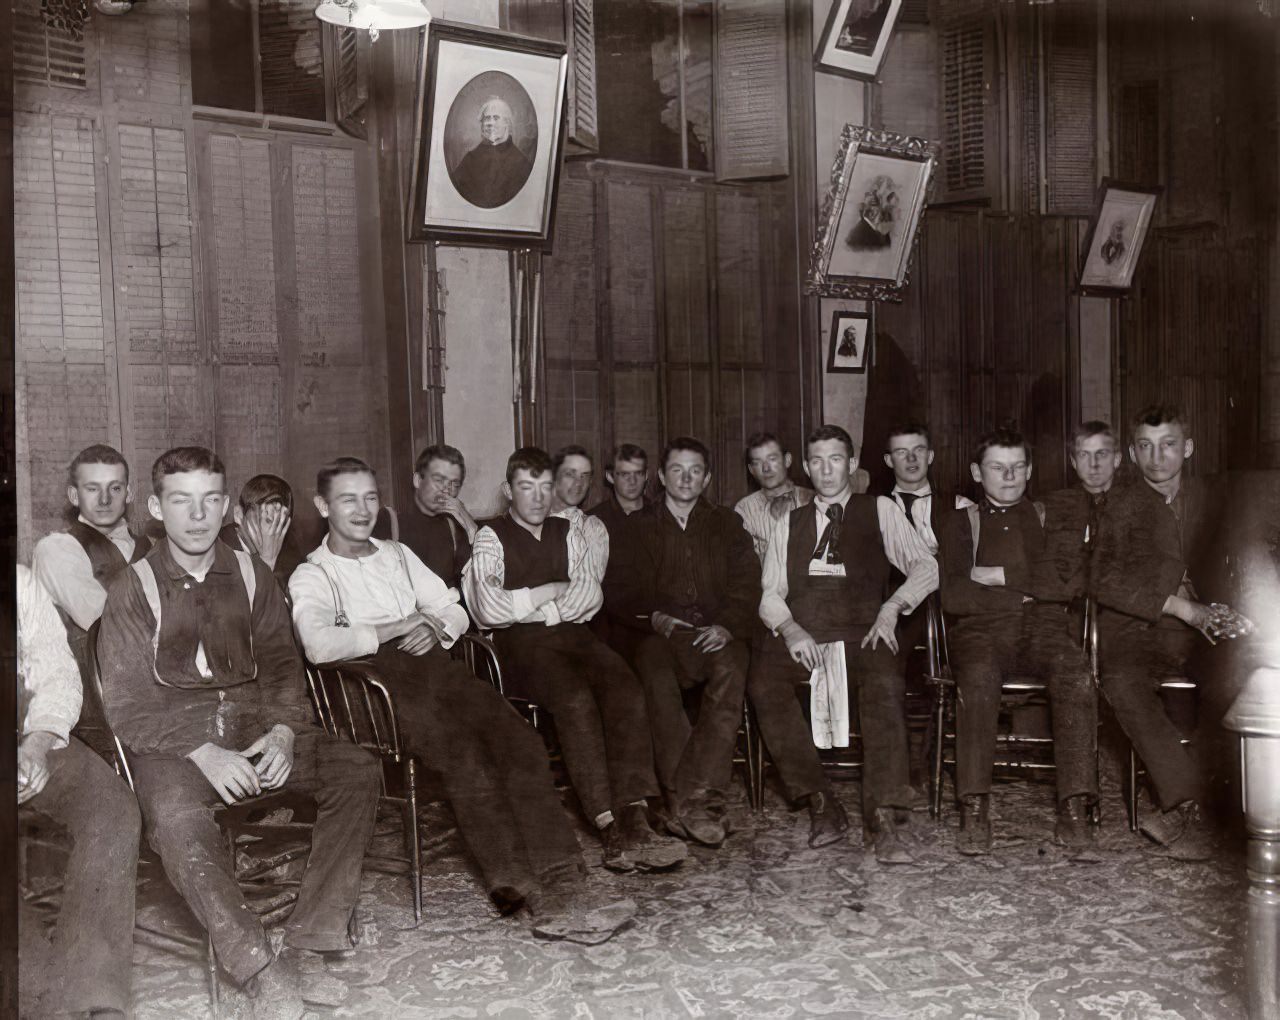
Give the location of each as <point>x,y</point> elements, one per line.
<point>693,511</point>
<point>224,560</point>
<point>988,507</point>
<point>121,530</point>
<point>322,552</point>
<point>898,490</point>
<point>821,502</point>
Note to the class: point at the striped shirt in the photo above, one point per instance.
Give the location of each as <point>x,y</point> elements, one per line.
<point>759,512</point>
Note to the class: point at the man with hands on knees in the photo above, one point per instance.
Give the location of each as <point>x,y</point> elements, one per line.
<point>826,570</point>
<point>204,686</point>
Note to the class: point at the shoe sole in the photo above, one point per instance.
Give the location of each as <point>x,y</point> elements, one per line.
<point>681,831</point>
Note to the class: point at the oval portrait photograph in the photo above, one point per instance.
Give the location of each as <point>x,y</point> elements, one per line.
<point>490,138</point>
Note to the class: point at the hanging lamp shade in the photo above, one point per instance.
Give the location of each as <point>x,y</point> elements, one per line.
<point>374,16</point>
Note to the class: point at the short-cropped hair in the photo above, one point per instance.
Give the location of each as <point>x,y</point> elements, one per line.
<point>184,458</point>
<point>1009,438</point>
<point>565,452</point>
<point>628,451</point>
<point>907,428</point>
<point>1160,414</point>
<point>440,451</point>
<point>262,490</point>
<point>533,459</point>
<point>340,466</point>
<point>98,453</point>
<point>1089,429</point>
<point>686,443</point>
<point>824,432</point>
<point>757,440</point>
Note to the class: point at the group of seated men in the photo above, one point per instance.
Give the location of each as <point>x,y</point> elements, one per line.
<point>605,620</point>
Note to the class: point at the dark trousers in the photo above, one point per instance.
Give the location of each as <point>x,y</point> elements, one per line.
<point>94,937</point>
<point>1038,643</point>
<point>1135,657</point>
<point>882,715</point>
<point>492,766</point>
<point>598,706</point>
<point>178,805</point>
<point>691,758</point>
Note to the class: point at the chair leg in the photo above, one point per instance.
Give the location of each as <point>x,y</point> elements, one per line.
<point>211,962</point>
<point>939,735</point>
<point>1132,792</point>
<point>754,759</point>
<point>413,843</point>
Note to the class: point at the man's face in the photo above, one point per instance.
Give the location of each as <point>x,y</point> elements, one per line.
<point>628,478</point>
<point>828,465</point>
<point>530,496</point>
<point>439,481</point>
<point>1003,473</point>
<point>1096,459</point>
<point>1161,450</point>
<point>685,475</point>
<point>495,124</point>
<point>573,480</point>
<point>101,493</point>
<point>909,456</point>
<point>351,506</point>
<point>768,465</point>
<point>191,505</point>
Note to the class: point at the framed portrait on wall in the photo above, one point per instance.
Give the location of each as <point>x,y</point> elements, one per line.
<point>489,135</point>
<point>855,37</point>
<point>1117,233</point>
<point>849,343</point>
<point>870,221</point>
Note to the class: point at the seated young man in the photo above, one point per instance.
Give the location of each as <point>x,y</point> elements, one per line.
<point>358,597</point>
<point>687,576</point>
<point>770,468</point>
<point>532,578</point>
<point>59,778</point>
<point>204,686</point>
<point>825,574</point>
<point>572,470</point>
<point>260,525</point>
<point>439,528</point>
<point>627,475</point>
<point>1010,618</point>
<point>1150,569</point>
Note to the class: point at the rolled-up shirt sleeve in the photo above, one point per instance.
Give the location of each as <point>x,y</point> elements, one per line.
<point>482,584</point>
<point>907,551</point>
<point>774,611</point>
<point>45,664</point>
<point>314,615</point>
<point>62,566</point>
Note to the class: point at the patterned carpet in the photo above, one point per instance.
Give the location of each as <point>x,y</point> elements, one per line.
<point>768,928</point>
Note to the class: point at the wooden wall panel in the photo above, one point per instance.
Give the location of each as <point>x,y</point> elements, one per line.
<point>633,327</point>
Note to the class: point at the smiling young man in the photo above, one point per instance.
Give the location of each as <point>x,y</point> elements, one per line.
<point>769,466</point>
<point>690,581</point>
<point>1150,568</point>
<point>532,579</point>
<point>439,528</point>
<point>826,572</point>
<point>203,684</point>
<point>1010,616</point>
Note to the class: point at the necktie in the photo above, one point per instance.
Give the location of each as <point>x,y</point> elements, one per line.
<point>908,500</point>
<point>779,506</point>
<point>829,545</point>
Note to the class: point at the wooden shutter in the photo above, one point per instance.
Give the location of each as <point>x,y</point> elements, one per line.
<point>968,135</point>
<point>1070,70</point>
<point>348,56</point>
<point>44,51</point>
<point>751,133</point>
<point>1137,132</point>
<point>571,22</point>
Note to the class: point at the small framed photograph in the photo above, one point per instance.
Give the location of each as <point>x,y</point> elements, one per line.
<point>856,35</point>
<point>849,345</point>
<point>490,130</point>
<point>1117,233</point>
<point>867,232</point>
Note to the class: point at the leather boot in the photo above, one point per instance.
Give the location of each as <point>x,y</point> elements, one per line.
<point>975,825</point>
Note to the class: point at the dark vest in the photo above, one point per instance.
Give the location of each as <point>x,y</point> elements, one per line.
<point>838,608</point>
<point>440,542</point>
<point>529,562</point>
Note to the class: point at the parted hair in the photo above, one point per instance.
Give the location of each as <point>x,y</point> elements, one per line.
<point>1160,414</point>
<point>98,453</point>
<point>824,432</point>
<point>1005,436</point>
<point>1089,429</point>
<point>628,451</point>
<point>565,452</point>
<point>440,451</point>
<point>533,459</point>
<point>340,466</point>
<point>260,490</point>
<point>757,440</point>
<point>184,458</point>
<point>907,428</point>
<point>686,443</point>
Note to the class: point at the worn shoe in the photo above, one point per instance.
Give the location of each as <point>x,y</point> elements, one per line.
<point>975,825</point>
<point>613,853</point>
<point>1183,831</point>
<point>646,849</point>
<point>886,839</point>
<point>828,822</point>
<point>1074,827</point>
<point>276,991</point>
<point>697,819</point>
<point>573,915</point>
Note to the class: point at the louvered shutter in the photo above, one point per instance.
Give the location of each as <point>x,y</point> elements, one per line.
<point>1070,70</point>
<point>571,22</point>
<point>1137,132</point>
<point>45,51</point>
<point>968,135</point>
<point>751,133</point>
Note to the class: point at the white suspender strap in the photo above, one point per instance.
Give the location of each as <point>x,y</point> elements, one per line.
<point>152,593</point>
<point>247,574</point>
<point>975,526</point>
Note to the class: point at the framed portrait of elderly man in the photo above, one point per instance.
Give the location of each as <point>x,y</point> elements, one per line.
<point>856,35</point>
<point>490,130</point>
<point>1117,233</point>
<point>867,232</point>
<point>849,341</point>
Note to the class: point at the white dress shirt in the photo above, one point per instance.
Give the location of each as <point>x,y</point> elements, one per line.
<point>366,591</point>
<point>62,566</point>
<point>49,691</point>
<point>495,606</point>
<point>921,515</point>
